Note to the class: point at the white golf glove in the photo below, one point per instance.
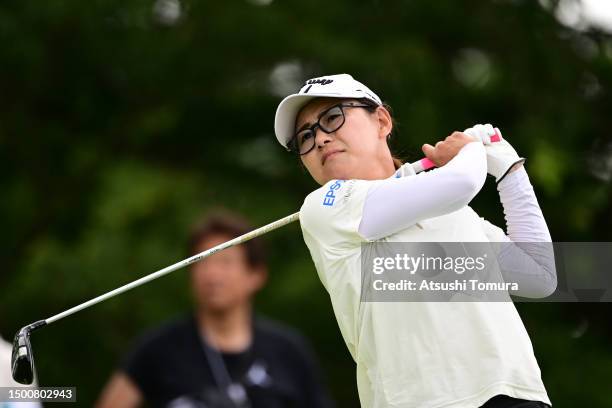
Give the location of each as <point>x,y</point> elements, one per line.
<point>501,156</point>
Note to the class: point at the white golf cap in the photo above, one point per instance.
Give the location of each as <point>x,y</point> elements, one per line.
<point>330,86</point>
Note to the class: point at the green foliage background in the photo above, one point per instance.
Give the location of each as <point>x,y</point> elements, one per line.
<point>117,131</point>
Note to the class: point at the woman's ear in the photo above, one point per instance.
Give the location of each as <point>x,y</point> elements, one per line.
<point>385,122</point>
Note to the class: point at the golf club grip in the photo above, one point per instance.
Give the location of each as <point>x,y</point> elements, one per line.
<point>426,164</point>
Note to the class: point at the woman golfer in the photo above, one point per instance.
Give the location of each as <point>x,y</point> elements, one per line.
<point>415,354</point>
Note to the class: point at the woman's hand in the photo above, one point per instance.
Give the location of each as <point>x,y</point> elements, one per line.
<point>445,150</point>
<point>502,159</point>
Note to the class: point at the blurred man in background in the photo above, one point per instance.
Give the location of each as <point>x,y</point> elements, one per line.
<point>222,355</point>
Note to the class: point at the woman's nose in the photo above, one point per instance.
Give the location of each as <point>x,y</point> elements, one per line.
<point>322,138</point>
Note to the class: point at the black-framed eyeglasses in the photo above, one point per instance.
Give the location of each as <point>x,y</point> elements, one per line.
<point>328,121</point>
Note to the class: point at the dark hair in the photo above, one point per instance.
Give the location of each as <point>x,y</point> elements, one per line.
<point>223,222</point>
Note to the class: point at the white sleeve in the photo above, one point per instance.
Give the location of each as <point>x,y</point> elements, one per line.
<point>526,255</point>
<point>399,203</point>
<point>524,219</point>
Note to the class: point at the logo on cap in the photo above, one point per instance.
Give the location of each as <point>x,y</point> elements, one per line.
<point>319,81</point>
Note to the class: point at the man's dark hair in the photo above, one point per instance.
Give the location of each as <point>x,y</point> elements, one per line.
<point>223,222</point>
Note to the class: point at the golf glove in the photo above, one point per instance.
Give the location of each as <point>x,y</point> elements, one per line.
<point>501,156</point>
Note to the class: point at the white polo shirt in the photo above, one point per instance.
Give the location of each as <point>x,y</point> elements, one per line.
<point>419,354</point>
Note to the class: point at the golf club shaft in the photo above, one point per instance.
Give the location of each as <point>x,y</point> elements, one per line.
<point>195,258</point>
<point>418,166</point>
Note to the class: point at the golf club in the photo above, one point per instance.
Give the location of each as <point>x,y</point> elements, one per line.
<point>22,361</point>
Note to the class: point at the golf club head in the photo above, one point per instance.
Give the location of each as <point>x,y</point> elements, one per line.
<point>22,361</point>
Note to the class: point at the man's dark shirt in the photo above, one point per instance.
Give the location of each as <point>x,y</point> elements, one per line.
<point>171,366</point>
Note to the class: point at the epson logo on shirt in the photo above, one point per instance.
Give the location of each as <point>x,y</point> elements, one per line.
<point>330,196</point>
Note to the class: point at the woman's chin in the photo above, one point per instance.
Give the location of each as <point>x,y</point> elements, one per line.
<point>337,167</point>
<point>335,171</point>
